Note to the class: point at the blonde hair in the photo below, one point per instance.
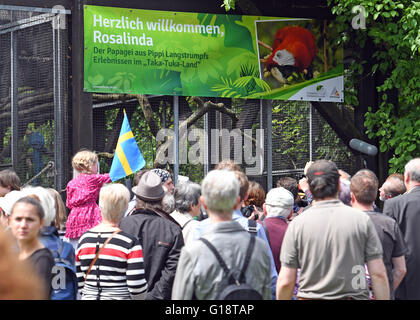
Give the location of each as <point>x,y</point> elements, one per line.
<point>83,160</point>
<point>60,209</point>
<point>113,201</point>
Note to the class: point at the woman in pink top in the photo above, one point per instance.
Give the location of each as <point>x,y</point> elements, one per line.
<point>82,195</point>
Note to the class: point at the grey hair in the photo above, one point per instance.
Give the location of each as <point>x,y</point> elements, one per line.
<point>220,189</point>
<point>413,169</point>
<point>168,202</point>
<point>186,194</point>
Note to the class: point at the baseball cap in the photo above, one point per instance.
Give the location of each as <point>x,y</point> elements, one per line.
<point>322,169</point>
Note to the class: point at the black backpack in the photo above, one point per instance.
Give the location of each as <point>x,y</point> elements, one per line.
<point>236,288</point>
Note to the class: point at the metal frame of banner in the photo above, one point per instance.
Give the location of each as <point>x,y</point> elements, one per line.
<point>176,140</point>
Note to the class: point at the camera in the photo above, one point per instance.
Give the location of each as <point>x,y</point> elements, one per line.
<point>247,211</point>
<point>300,176</point>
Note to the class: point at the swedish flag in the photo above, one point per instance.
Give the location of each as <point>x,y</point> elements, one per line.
<point>127,158</point>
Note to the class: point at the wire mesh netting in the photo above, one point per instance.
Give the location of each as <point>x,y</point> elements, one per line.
<point>33,92</point>
<point>229,129</point>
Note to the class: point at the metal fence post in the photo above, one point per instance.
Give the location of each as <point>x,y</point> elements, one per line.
<point>206,165</point>
<point>268,106</point>
<point>58,109</point>
<point>14,100</point>
<point>310,131</point>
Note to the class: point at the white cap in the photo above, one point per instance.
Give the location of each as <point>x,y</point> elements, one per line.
<point>7,202</point>
<point>279,197</point>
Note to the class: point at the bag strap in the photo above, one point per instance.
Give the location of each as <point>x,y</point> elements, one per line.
<point>252,227</point>
<point>99,252</point>
<point>222,262</point>
<point>217,255</point>
<point>251,246</point>
<point>182,228</point>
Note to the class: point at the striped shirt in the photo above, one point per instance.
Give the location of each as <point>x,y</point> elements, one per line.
<point>118,274</point>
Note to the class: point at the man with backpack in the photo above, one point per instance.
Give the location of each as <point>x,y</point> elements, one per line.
<point>249,225</point>
<point>227,262</point>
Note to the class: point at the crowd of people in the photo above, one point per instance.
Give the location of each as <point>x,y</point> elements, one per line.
<point>322,237</point>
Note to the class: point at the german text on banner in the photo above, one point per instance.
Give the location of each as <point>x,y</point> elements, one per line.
<point>136,51</point>
<point>127,158</point>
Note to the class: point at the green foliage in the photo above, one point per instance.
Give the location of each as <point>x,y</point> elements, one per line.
<point>247,84</point>
<point>393,27</point>
<point>228,4</point>
<point>147,142</point>
<point>290,126</point>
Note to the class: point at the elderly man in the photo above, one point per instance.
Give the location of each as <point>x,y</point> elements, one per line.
<point>199,274</point>
<point>392,187</point>
<point>159,234</point>
<point>278,207</point>
<point>247,224</point>
<point>405,209</point>
<point>166,179</point>
<point>363,192</point>
<point>330,242</point>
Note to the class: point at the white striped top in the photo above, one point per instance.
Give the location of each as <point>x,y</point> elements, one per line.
<point>118,274</point>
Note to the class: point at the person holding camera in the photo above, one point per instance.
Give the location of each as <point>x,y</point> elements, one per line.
<point>254,203</point>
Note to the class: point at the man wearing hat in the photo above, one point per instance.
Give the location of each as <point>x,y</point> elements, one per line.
<point>278,207</point>
<point>159,234</point>
<point>331,243</point>
<point>166,179</point>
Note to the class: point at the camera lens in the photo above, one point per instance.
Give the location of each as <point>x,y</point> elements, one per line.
<point>247,211</point>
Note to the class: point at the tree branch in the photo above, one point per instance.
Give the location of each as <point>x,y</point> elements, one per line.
<point>148,113</point>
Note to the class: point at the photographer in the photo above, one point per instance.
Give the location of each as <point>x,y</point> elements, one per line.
<point>253,208</point>
<point>300,200</point>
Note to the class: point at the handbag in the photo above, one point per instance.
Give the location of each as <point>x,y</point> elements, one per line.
<point>99,252</point>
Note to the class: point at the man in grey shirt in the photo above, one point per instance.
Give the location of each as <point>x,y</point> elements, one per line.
<point>199,274</point>
<point>330,243</point>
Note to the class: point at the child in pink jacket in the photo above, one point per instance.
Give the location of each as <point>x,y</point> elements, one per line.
<point>82,195</point>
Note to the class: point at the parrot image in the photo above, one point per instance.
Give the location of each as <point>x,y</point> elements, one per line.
<point>294,49</point>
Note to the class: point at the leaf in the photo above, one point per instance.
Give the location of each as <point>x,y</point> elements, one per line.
<point>231,23</point>
<point>96,80</point>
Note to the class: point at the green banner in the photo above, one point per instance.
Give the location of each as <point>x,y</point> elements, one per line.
<point>197,54</point>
